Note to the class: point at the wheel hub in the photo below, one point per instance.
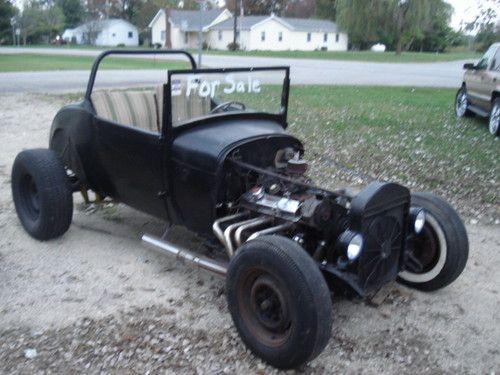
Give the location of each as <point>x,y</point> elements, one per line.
<point>268,304</point>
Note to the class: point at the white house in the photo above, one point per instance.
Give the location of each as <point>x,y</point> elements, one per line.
<point>275,33</point>
<point>177,28</point>
<point>110,32</point>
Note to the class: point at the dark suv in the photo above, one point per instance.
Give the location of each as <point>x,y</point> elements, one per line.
<point>480,91</point>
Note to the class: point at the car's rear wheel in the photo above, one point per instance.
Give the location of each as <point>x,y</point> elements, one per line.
<point>279,301</point>
<point>439,253</point>
<point>42,193</point>
<point>462,103</point>
<point>494,121</point>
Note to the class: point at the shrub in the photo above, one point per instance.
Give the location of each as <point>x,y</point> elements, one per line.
<point>233,46</point>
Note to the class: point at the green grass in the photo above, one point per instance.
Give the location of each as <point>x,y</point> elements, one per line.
<point>406,135</point>
<point>390,56</point>
<point>405,57</point>
<point>35,62</point>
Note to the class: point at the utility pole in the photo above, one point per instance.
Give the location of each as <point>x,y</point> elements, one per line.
<point>200,32</point>
<point>235,26</point>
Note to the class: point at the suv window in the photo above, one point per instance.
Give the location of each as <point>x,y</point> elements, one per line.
<point>487,58</point>
<point>495,65</point>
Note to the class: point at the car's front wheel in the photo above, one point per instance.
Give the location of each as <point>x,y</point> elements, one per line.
<point>462,103</point>
<point>438,254</point>
<point>42,193</point>
<point>494,121</point>
<point>279,301</point>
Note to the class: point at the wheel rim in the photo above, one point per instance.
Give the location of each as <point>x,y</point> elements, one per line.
<point>461,103</point>
<point>429,251</point>
<point>494,119</point>
<point>264,307</point>
<point>29,195</point>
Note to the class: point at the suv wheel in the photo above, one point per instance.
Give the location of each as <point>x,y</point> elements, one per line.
<point>461,103</point>
<point>494,123</point>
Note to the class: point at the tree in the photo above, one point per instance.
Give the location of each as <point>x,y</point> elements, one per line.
<point>326,9</point>
<point>437,34</point>
<point>73,10</point>
<point>257,7</point>
<point>7,11</point>
<point>40,21</point>
<point>486,36</point>
<point>397,23</point>
<point>363,20</point>
<point>299,8</point>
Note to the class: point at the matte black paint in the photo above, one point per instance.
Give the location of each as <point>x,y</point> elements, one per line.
<point>172,175</point>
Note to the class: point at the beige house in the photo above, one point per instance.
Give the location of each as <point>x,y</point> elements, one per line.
<point>273,33</point>
<point>178,29</point>
<point>174,28</point>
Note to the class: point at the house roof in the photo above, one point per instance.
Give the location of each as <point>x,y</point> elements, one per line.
<point>190,20</point>
<point>101,24</point>
<point>296,24</point>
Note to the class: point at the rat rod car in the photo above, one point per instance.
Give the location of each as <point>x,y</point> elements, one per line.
<point>209,150</point>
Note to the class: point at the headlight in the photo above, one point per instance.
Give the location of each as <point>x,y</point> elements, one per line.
<point>417,216</point>
<point>352,243</point>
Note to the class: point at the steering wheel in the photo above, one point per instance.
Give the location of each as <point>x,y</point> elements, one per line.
<point>224,106</point>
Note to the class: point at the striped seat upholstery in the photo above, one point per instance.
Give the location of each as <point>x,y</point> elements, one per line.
<point>133,108</point>
<point>184,108</point>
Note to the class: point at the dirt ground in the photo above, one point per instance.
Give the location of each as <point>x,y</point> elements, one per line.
<point>97,301</point>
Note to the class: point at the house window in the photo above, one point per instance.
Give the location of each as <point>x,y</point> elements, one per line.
<point>130,34</point>
<point>325,37</point>
<point>185,38</point>
<point>337,38</point>
<point>162,35</point>
<point>280,36</point>
<point>263,36</point>
<point>308,37</point>
<point>113,35</point>
<point>237,35</point>
<point>220,34</point>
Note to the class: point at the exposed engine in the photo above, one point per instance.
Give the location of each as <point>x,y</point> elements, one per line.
<point>332,226</point>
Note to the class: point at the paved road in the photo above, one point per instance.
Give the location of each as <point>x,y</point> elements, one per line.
<point>303,71</point>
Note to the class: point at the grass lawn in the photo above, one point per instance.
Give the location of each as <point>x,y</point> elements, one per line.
<point>35,62</point>
<point>407,135</point>
<point>405,57</point>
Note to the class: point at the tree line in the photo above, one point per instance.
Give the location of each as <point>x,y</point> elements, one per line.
<point>402,25</point>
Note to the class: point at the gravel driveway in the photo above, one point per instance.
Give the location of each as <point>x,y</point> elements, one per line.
<point>97,301</point>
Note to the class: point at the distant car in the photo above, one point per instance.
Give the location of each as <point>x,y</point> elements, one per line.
<point>208,150</point>
<point>58,41</point>
<point>480,90</point>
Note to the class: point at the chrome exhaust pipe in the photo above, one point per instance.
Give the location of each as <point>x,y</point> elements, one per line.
<point>276,229</point>
<point>156,243</point>
<point>218,230</point>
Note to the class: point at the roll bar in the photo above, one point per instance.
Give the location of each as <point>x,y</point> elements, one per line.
<point>99,58</point>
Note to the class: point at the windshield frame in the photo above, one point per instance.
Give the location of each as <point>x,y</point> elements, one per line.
<point>281,117</point>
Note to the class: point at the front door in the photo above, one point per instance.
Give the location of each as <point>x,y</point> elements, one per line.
<point>132,163</point>
<point>479,80</point>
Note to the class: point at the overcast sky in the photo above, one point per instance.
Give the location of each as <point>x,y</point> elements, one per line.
<point>466,11</point>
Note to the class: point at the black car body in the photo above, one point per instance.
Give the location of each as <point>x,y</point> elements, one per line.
<point>237,178</point>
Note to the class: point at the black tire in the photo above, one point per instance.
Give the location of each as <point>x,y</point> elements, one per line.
<point>42,193</point>
<point>442,248</point>
<point>494,119</point>
<point>279,301</point>
<point>459,111</point>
